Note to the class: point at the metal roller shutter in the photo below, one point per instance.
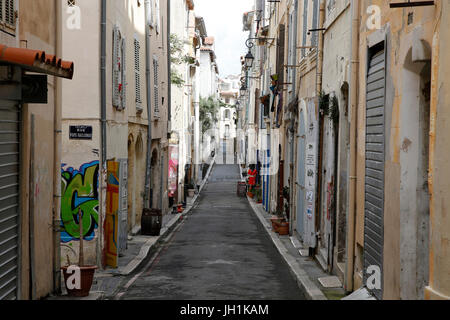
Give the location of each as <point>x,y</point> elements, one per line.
<point>375,159</point>
<point>9,198</point>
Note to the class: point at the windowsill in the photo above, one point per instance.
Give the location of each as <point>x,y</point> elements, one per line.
<point>7,28</point>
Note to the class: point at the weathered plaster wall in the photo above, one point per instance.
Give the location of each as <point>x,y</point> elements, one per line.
<point>400,265</point>
<point>38,36</point>
<point>439,283</point>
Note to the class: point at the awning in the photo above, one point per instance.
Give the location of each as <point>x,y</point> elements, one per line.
<point>36,61</point>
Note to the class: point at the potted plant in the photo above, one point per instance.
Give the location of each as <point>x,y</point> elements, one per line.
<point>191,190</point>
<point>258,195</point>
<point>86,272</point>
<point>283,228</point>
<point>277,220</point>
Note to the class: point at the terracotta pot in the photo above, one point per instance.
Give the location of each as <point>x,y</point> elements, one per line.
<point>283,229</point>
<point>191,193</point>
<point>87,277</point>
<point>275,222</point>
<point>250,194</point>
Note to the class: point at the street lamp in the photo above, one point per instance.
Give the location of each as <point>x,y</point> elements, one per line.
<point>249,58</point>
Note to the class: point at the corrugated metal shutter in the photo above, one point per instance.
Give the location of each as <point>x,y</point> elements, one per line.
<point>375,159</point>
<point>9,198</point>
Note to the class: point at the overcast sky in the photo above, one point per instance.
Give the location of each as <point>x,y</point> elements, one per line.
<point>223,21</point>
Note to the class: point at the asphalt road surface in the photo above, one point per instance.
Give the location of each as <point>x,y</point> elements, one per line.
<point>219,252</point>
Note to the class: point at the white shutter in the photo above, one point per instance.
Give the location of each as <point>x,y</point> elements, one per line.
<point>124,74</point>
<point>152,13</point>
<point>158,16</point>
<point>116,68</point>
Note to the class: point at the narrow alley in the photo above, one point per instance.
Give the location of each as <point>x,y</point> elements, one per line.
<point>219,252</point>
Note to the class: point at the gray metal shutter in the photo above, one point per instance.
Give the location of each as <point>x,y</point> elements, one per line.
<point>375,159</point>
<point>9,198</point>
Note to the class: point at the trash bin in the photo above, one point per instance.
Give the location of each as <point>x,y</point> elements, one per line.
<point>241,189</point>
<point>151,222</point>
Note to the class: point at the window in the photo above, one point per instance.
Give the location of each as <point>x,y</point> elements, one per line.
<point>156,86</point>
<point>137,73</point>
<point>153,16</point>
<point>305,25</point>
<point>7,12</point>
<point>119,73</point>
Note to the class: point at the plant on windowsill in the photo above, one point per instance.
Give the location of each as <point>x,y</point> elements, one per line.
<point>82,286</point>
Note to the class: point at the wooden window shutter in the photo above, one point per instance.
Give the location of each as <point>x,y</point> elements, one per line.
<point>116,68</point>
<point>156,86</point>
<point>124,75</point>
<point>137,70</point>
<point>1,10</point>
<point>9,12</point>
<point>305,25</point>
<point>315,35</point>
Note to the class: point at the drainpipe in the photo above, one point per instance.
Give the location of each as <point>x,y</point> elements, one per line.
<point>351,219</point>
<point>169,67</point>
<point>319,77</point>
<point>57,140</point>
<point>103,111</point>
<point>149,107</point>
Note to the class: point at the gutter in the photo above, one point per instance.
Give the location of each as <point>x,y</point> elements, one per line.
<point>57,141</point>
<point>351,218</point>
<point>103,114</point>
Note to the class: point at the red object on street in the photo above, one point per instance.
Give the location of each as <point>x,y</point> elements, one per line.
<point>252,177</point>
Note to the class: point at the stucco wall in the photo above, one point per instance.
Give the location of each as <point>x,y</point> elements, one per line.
<point>403,254</point>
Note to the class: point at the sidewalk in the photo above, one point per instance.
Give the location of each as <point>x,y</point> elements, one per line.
<point>107,281</point>
<point>305,269</point>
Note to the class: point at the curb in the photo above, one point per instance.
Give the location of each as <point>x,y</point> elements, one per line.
<point>305,284</point>
<point>145,249</point>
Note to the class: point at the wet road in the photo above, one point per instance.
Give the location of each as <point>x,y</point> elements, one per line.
<point>219,252</point>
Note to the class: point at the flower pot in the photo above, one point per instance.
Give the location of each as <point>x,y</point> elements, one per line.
<point>87,277</point>
<point>250,194</point>
<point>275,222</point>
<point>191,193</point>
<point>283,229</point>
